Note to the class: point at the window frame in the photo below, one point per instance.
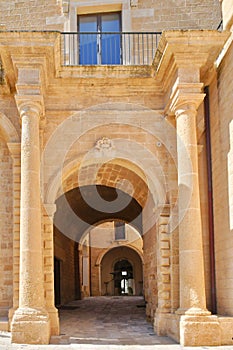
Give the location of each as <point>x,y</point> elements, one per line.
<point>99,42</point>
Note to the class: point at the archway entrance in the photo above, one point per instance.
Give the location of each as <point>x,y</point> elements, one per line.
<point>121,272</point>
<point>98,238</point>
<point>123,277</point>
<point>84,230</point>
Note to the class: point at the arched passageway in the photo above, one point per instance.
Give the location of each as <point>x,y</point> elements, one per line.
<point>123,277</point>
<point>102,231</point>
<point>121,272</point>
<point>84,230</point>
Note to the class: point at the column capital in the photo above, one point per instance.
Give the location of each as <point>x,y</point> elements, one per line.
<point>50,209</point>
<point>30,105</point>
<point>186,101</point>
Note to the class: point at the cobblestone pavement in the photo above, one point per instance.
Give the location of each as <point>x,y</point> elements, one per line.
<point>104,323</point>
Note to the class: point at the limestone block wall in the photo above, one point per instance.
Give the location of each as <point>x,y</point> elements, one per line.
<point>101,239</point>
<point>31,15</point>
<point>221,117</point>
<point>150,248</point>
<point>6,230</point>
<point>159,15</point>
<point>137,15</point>
<point>150,272</point>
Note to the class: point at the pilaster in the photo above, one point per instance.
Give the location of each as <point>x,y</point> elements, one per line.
<point>15,151</point>
<point>163,272</point>
<point>48,214</point>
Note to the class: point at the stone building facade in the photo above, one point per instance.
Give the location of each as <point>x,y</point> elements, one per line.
<point>117,162</point>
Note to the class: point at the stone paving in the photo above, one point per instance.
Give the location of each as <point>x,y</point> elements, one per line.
<point>104,323</point>
<point>109,320</point>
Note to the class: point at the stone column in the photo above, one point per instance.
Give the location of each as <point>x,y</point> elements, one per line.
<point>15,150</point>
<point>192,282</point>
<point>49,210</point>
<point>197,327</point>
<point>30,322</point>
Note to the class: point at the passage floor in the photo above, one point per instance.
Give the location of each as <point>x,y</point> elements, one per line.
<point>104,323</point>
<point>107,320</point>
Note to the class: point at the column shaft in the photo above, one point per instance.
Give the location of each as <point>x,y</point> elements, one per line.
<point>31,277</point>
<point>192,282</point>
<point>30,322</point>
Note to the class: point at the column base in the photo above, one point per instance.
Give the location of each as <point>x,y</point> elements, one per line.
<point>30,326</point>
<point>54,320</point>
<point>11,314</point>
<point>167,324</point>
<point>193,311</point>
<point>160,322</point>
<point>200,331</point>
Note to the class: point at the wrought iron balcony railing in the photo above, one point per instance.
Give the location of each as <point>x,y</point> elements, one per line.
<point>109,48</point>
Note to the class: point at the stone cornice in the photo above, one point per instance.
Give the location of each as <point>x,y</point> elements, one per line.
<point>182,63</point>
<point>187,48</point>
<point>29,50</point>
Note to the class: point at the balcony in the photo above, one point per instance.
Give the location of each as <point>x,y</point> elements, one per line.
<point>108,48</point>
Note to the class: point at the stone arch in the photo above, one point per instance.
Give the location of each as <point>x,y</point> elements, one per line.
<point>114,255</point>
<point>118,172</point>
<point>112,174</point>
<point>8,130</point>
<point>117,115</point>
<point>102,253</point>
<point>81,208</point>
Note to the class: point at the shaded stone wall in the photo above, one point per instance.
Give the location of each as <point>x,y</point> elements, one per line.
<point>204,215</point>
<point>150,248</point>
<point>6,230</point>
<point>64,250</point>
<point>150,272</point>
<point>221,133</point>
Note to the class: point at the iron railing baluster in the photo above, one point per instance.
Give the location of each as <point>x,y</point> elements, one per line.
<point>126,48</point>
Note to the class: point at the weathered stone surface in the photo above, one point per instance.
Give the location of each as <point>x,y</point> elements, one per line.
<point>138,129</point>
